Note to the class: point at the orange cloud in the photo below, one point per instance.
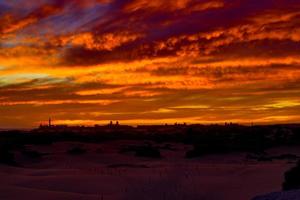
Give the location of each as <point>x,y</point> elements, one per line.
<point>11,24</point>
<point>107,41</point>
<point>156,5</point>
<point>172,5</point>
<point>154,61</point>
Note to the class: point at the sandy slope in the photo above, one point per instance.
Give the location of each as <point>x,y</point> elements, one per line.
<point>287,195</point>
<point>104,173</point>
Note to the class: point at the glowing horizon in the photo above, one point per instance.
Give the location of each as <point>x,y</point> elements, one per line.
<point>140,62</point>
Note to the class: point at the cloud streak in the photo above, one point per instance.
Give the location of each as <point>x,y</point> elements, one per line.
<point>146,62</point>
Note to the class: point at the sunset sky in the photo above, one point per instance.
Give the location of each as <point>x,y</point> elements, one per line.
<point>140,61</point>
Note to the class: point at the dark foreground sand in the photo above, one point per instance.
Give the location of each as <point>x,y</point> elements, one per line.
<point>105,174</point>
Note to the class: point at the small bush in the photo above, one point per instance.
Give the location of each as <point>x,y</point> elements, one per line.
<point>99,150</point>
<point>286,157</point>
<point>206,149</point>
<point>129,148</point>
<point>7,157</point>
<point>148,151</point>
<point>264,159</point>
<point>32,154</point>
<point>127,166</point>
<point>168,147</point>
<point>76,151</point>
<point>292,178</point>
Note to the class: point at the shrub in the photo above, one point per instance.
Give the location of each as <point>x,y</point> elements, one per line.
<point>76,151</point>
<point>168,147</point>
<point>32,154</point>
<point>148,151</point>
<point>287,157</point>
<point>201,149</point>
<point>292,178</point>
<point>7,157</point>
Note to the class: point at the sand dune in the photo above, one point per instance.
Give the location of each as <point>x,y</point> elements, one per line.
<point>60,176</point>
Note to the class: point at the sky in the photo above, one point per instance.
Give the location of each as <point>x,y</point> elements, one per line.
<point>149,62</point>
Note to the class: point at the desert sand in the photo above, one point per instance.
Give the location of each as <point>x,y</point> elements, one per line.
<point>103,173</point>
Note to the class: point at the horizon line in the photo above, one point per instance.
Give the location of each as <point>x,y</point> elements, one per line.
<point>154,124</point>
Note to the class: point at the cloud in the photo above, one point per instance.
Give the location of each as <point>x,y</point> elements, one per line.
<point>149,61</point>
<point>170,6</point>
<point>11,24</point>
<point>103,42</point>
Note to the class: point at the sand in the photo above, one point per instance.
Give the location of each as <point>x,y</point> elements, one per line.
<point>103,173</point>
<point>286,195</point>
